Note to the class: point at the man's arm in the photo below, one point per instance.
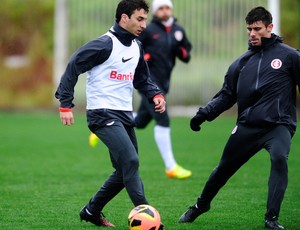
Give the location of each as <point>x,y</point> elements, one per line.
<point>142,80</point>
<point>85,58</point>
<point>222,101</point>
<point>296,68</point>
<point>183,51</point>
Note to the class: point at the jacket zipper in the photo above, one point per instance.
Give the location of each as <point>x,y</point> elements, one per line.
<point>258,69</point>
<point>278,109</point>
<point>169,42</point>
<point>257,75</point>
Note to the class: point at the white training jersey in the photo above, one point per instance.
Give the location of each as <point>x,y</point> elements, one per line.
<point>110,84</point>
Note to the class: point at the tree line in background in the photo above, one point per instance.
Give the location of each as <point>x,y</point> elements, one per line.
<point>26,49</point>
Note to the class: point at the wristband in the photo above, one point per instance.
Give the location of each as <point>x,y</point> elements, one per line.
<point>147,56</point>
<point>184,52</point>
<point>65,109</point>
<point>159,96</point>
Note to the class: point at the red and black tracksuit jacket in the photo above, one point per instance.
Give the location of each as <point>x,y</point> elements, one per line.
<point>162,45</point>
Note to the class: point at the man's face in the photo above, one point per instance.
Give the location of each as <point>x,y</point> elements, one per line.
<point>257,30</point>
<point>164,13</point>
<point>136,23</point>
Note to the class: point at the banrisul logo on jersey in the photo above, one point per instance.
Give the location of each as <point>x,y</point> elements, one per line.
<point>121,76</point>
<point>276,63</point>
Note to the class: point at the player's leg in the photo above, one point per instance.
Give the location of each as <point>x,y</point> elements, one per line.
<point>92,211</point>
<point>122,146</point>
<point>110,188</point>
<point>240,147</point>
<point>123,151</point>
<point>135,188</point>
<point>278,143</point>
<point>143,115</point>
<point>162,136</point>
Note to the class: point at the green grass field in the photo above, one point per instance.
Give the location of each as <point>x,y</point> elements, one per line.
<point>48,172</point>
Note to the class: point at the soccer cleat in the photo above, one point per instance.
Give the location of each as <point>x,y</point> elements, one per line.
<point>93,140</point>
<point>191,214</point>
<point>273,224</point>
<point>178,172</point>
<point>161,226</point>
<point>96,220</point>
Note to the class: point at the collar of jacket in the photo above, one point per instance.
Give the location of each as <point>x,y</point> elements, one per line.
<point>123,35</point>
<point>159,21</point>
<point>266,43</point>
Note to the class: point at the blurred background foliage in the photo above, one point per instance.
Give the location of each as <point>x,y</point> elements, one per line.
<point>27,42</point>
<point>26,53</point>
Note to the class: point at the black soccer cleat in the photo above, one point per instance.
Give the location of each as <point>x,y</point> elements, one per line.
<point>273,224</point>
<point>161,226</point>
<point>94,219</point>
<point>192,213</point>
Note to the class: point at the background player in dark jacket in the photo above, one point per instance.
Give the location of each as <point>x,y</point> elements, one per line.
<point>263,83</point>
<point>115,64</point>
<point>163,41</point>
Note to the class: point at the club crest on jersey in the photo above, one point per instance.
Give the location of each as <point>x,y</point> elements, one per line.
<point>178,35</point>
<point>121,76</point>
<point>276,63</point>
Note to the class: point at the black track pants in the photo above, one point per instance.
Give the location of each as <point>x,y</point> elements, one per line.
<point>122,144</point>
<point>244,143</point>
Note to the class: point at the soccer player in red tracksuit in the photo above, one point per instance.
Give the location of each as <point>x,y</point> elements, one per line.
<point>263,83</point>
<point>163,41</point>
<point>115,64</point>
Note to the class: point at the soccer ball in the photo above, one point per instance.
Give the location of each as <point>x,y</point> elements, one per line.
<point>144,217</point>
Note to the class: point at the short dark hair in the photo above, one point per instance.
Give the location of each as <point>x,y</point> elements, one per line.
<point>129,6</point>
<point>259,14</point>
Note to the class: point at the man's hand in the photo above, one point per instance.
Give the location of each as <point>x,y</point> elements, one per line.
<point>67,118</point>
<point>160,103</point>
<point>197,120</point>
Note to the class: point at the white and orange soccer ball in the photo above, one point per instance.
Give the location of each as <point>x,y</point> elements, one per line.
<point>144,217</point>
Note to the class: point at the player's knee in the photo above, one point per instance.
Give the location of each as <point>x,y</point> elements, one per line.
<point>133,163</point>
<point>140,125</point>
<point>130,169</point>
<point>163,122</point>
<point>279,162</point>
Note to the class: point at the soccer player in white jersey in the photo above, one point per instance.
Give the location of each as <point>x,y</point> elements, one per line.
<point>115,65</point>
